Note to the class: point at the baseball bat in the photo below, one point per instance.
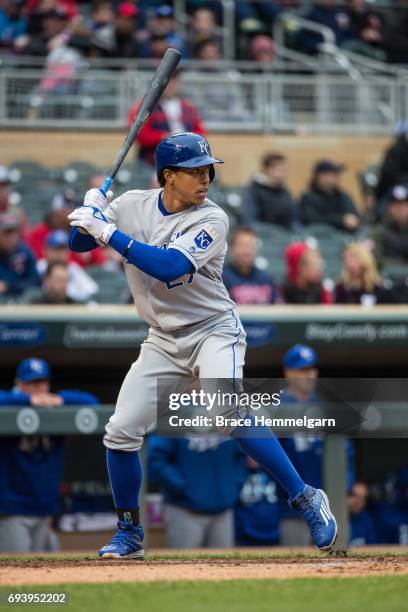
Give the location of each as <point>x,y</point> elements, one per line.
<point>157,85</point>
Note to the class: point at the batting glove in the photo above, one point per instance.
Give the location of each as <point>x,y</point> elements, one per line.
<point>96,199</point>
<point>94,222</point>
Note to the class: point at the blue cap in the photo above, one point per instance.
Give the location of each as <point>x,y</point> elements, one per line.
<point>326,165</point>
<point>300,356</point>
<point>164,10</point>
<point>32,369</point>
<point>57,239</point>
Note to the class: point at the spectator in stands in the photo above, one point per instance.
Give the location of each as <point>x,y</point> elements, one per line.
<point>331,15</point>
<point>395,37</point>
<point>394,168</point>
<point>41,6</point>
<point>268,198</point>
<point>262,49</point>
<point>360,281</point>
<point>120,36</point>
<point>325,202</point>
<point>300,370</point>
<point>391,236</point>
<point>367,27</point>
<point>203,27</point>
<point>158,46</point>
<point>103,15</point>
<point>81,287</point>
<point>57,219</point>
<point>12,22</point>
<point>247,284</point>
<point>54,33</point>
<point>172,114</point>
<point>303,284</point>
<point>162,23</point>
<point>4,189</point>
<point>31,465</point>
<point>201,478</point>
<point>54,286</point>
<point>257,510</point>
<point>209,50</point>
<point>362,526</point>
<point>17,262</point>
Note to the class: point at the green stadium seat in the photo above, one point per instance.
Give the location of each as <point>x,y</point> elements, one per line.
<point>270,231</point>
<point>21,169</point>
<point>78,172</point>
<point>394,271</point>
<point>113,287</point>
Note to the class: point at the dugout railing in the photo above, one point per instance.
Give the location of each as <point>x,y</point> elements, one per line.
<point>381,420</point>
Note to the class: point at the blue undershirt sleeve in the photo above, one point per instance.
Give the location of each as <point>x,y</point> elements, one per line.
<point>10,398</point>
<point>165,265</point>
<point>81,243</point>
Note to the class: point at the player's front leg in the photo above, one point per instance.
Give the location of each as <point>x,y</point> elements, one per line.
<point>261,444</point>
<point>222,356</point>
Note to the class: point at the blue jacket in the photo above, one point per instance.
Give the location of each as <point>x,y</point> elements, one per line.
<point>10,28</point>
<point>31,466</point>
<point>256,288</point>
<point>362,529</point>
<point>391,520</point>
<point>257,510</point>
<point>200,474</point>
<point>18,270</point>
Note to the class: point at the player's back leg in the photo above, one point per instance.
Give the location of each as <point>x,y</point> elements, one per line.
<point>136,410</point>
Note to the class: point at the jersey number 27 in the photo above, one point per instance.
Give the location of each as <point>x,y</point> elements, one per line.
<point>174,284</point>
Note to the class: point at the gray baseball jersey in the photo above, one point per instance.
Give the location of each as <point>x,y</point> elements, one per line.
<point>199,233</point>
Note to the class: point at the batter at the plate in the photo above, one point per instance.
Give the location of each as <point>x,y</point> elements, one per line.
<point>173,241</point>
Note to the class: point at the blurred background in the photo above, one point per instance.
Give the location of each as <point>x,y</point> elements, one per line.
<point>307,103</point>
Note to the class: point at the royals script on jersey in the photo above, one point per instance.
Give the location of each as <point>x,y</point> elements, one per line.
<point>200,233</point>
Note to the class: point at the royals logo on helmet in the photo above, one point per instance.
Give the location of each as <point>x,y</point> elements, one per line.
<point>203,147</point>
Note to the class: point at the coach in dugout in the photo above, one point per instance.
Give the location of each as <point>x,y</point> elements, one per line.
<point>31,465</point>
<point>201,479</point>
<point>305,451</point>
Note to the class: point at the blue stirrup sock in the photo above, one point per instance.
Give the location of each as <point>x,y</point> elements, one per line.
<point>268,452</point>
<point>125,475</point>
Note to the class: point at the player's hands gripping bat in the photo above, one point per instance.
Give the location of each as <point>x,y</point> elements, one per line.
<point>157,85</point>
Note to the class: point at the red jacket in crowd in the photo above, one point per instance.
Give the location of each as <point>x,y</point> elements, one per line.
<point>157,127</point>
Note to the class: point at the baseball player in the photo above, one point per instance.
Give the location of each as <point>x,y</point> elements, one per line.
<point>173,241</point>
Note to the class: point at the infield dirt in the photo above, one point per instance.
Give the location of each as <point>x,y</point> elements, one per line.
<point>60,569</point>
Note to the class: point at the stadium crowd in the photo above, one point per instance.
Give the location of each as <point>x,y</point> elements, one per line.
<point>69,29</point>
<point>320,248</point>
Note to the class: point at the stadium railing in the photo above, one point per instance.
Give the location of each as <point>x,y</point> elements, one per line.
<point>256,102</point>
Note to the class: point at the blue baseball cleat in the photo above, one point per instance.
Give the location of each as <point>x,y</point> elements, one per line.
<point>127,543</point>
<point>313,505</point>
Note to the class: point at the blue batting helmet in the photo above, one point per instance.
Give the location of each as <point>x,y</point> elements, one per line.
<point>184,150</point>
